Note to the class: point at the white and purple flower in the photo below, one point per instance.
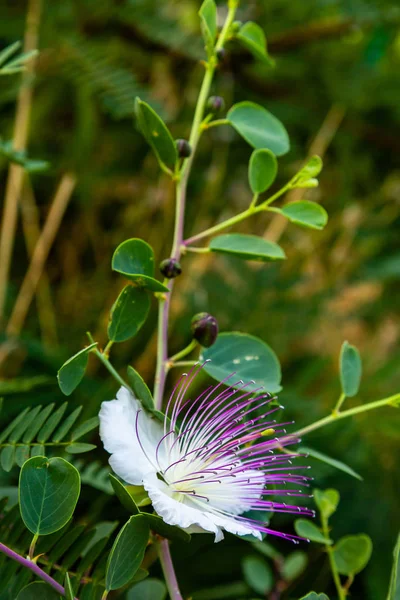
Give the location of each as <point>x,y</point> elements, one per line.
<point>214,459</point>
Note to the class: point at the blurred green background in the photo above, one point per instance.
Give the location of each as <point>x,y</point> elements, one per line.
<point>336,87</point>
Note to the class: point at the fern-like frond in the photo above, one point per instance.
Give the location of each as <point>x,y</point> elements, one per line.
<point>96,475</point>
<point>39,430</point>
<point>76,549</point>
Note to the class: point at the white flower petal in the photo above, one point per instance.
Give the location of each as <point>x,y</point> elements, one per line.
<point>178,513</point>
<point>118,433</point>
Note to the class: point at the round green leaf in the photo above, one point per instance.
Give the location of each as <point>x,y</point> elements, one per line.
<point>134,259</point>
<point>327,501</point>
<point>252,37</point>
<point>308,530</point>
<point>128,314</point>
<point>263,168</point>
<point>333,462</point>
<point>156,134</point>
<point>352,553</point>
<point>294,565</point>
<point>248,247</point>
<point>48,492</point>
<point>73,370</point>
<point>306,213</point>
<point>350,369</point>
<point>247,357</point>
<point>258,574</point>
<point>127,552</point>
<point>259,127</point>
<point>38,590</point>
<point>151,589</point>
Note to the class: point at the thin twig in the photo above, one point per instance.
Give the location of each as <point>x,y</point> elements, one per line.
<point>42,249</point>
<point>31,229</point>
<point>16,173</point>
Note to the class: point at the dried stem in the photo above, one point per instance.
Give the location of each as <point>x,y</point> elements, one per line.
<point>42,249</point>
<point>16,173</point>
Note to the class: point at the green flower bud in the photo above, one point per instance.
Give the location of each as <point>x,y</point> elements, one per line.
<point>236,26</point>
<point>170,268</point>
<point>204,329</point>
<point>184,148</point>
<point>215,104</point>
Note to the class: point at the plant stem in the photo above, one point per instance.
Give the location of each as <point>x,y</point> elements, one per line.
<point>168,570</point>
<point>329,550</point>
<point>224,225</point>
<point>32,546</point>
<point>215,123</point>
<point>20,137</point>
<point>29,564</point>
<point>192,346</point>
<point>181,190</point>
<point>107,363</point>
<point>339,403</point>
<point>390,401</point>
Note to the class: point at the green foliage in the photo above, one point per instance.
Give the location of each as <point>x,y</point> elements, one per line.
<point>394,586</point>
<point>247,247</point>
<point>259,127</point>
<point>294,565</point>
<point>263,168</point>
<point>19,157</point>
<point>73,370</point>
<point>327,501</point>
<point>134,259</point>
<point>36,431</point>
<point>151,589</point>
<point>333,462</point>
<point>308,530</point>
<point>314,596</point>
<point>128,313</point>
<point>307,214</point>
<point>252,37</point>
<point>36,590</point>
<point>140,388</point>
<point>350,369</point>
<point>246,356</point>
<point>352,553</point>
<point>48,491</point>
<point>10,66</point>
<point>208,20</point>
<point>258,574</point>
<point>127,552</point>
<point>156,134</point>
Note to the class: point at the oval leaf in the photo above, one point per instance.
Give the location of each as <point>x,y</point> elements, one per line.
<point>79,448</point>
<point>294,565</point>
<point>252,37</point>
<point>156,134</point>
<point>306,213</point>
<point>48,492</point>
<point>350,369</point>
<point>258,574</point>
<point>337,464</point>
<point>263,168</point>
<point>123,495</point>
<point>208,21</point>
<point>140,388</point>
<point>128,314</point>
<point>259,127</point>
<point>247,357</point>
<point>171,532</point>
<point>352,553</point>
<point>327,501</point>
<point>151,589</point>
<point>306,529</point>
<point>36,590</point>
<point>134,259</point>
<point>127,552</point>
<point>73,370</point>
<point>248,247</point>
